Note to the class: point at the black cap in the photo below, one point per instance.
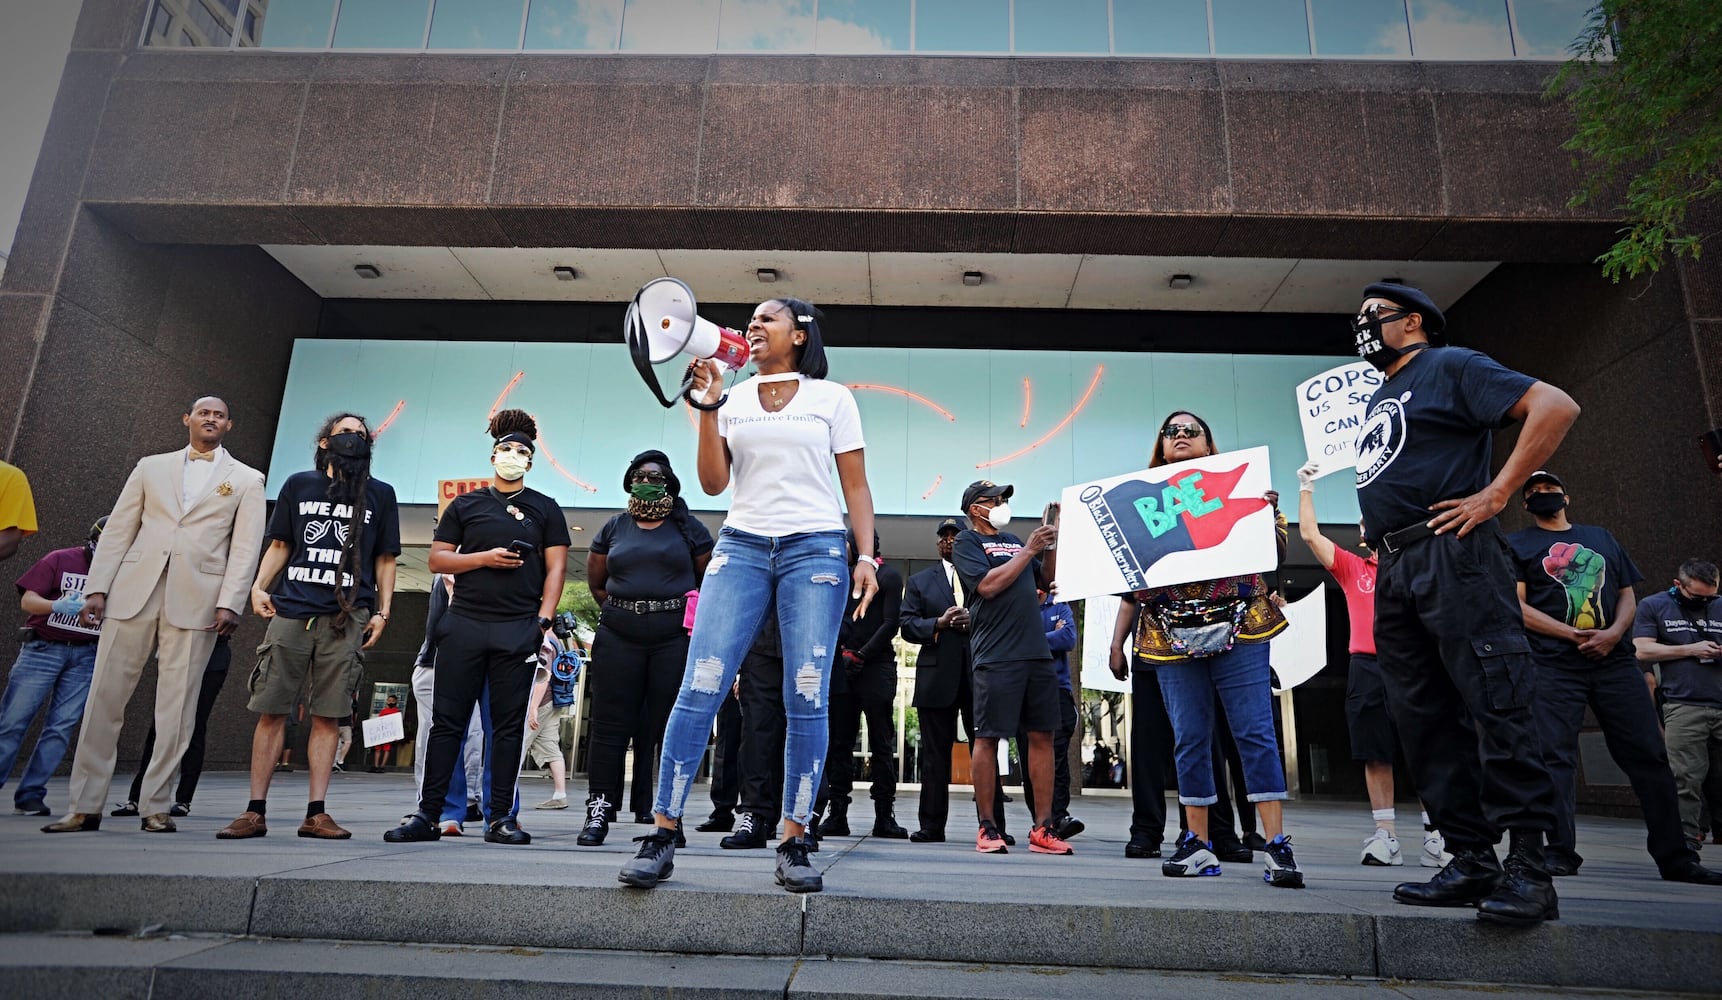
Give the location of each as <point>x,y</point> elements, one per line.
<point>671,481</point>
<point>949,524</point>
<point>1540,476</point>
<point>1412,299</point>
<point>985,488</point>
<point>97,528</point>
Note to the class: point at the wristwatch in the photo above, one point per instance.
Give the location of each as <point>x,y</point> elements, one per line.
<point>544,623</point>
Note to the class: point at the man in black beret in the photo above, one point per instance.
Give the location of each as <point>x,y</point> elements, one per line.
<point>1448,628</point>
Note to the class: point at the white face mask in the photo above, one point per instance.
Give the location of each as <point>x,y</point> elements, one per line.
<point>999,516</point>
<point>510,465</point>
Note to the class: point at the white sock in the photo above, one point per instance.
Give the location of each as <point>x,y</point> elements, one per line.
<point>1384,819</point>
<point>559,795</point>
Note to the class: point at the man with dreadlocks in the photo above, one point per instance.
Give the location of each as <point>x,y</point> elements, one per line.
<point>324,586</point>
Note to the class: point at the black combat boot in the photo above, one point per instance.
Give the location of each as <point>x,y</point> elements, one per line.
<point>1526,895</point>
<point>1466,881</point>
<point>885,823</point>
<point>836,822</point>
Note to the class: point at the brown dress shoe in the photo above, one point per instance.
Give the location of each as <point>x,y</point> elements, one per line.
<point>75,823</point>
<point>322,826</point>
<point>248,825</point>
<point>159,823</point>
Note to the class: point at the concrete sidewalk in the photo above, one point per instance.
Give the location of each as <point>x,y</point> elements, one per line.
<point>1621,927</point>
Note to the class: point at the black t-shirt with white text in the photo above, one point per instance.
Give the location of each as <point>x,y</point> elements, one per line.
<point>1575,577</point>
<point>649,564</point>
<point>1428,432</point>
<point>1006,626</point>
<point>483,520</point>
<point>315,530</point>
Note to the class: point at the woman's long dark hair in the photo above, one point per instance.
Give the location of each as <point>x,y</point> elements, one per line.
<point>346,486</point>
<point>1159,457</point>
<point>806,316</point>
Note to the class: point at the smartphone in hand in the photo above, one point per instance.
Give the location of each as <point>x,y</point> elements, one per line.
<point>521,547</point>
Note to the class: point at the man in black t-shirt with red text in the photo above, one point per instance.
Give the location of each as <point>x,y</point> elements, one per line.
<point>1575,586</point>
<point>1449,635</point>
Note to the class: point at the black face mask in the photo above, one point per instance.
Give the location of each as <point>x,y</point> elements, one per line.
<point>1545,505</point>
<point>1372,346</point>
<point>350,444</point>
<point>1692,604</point>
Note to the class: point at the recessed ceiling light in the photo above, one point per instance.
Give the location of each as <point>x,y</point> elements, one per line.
<point>767,275</point>
<point>1180,281</point>
<point>367,271</point>
<point>973,278</point>
<point>564,273</point>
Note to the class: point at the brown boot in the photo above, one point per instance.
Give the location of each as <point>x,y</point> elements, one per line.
<point>248,825</point>
<point>75,823</point>
<point>159,823</point>
<point>322,826</point>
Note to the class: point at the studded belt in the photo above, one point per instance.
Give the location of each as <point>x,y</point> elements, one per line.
<point>647,607</point>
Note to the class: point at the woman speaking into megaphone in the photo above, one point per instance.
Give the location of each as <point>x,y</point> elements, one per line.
<point>773,441</point>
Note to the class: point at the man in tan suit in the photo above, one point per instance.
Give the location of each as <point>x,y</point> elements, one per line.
<point>172,573</point>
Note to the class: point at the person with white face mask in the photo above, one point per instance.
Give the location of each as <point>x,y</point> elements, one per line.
<point>1015,684</point>
<point>506,546</point>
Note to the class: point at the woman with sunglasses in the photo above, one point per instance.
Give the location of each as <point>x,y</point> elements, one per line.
<point>774,443</point>
<point>507,547</point>
<point>642,565</point>
<point>1234,672</point>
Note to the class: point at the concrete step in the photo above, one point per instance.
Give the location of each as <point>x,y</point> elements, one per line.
<point>167,967</point>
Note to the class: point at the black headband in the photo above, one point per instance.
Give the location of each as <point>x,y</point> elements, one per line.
<point>521,438</point>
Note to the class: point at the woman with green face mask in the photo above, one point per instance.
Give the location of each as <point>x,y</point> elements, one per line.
<point>643,562</point>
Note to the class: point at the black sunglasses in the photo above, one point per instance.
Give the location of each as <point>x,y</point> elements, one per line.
<point>1174,431</point>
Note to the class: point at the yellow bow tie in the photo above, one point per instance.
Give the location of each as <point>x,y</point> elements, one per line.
<point>202,456</point>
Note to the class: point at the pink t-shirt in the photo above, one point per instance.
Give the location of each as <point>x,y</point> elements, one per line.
<point>1356,576</point>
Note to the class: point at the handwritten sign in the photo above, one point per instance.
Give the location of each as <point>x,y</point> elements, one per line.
<point>1194,520</point>
<point>1331,406</point>
<point>448,489</point>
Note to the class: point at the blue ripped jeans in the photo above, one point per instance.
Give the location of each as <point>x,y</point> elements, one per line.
<point>809,577</point>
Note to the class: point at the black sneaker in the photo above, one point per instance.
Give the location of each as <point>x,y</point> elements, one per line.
<point>1230,848</point>
<point>654,862</point>
<point>506,831</point>
<point>749,834</point>
<point>794,871</point>
<point>34,807</point>
<point>127,808</point>
<point>1141,847</point>
<point>1255,842</point>
<point>721,821</point>
<point>1192,858</point>
<point>597,822</point>
<point>1281,870</point>
<point>474,814</point>
<point>179,809</point>
<point>1068,826</point>
<point>413,829</point>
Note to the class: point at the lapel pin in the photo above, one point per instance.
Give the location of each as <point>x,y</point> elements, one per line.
<point>225,489</point>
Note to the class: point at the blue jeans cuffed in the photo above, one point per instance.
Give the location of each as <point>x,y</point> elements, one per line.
<point>1242,679</point>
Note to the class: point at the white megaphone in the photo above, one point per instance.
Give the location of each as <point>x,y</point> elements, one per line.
<point>663,321</point>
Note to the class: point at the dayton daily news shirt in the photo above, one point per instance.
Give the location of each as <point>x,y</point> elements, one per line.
<point>1427,435</point>
<point>781,460</point>
<point>315,529</point>
<point>1686,680</point>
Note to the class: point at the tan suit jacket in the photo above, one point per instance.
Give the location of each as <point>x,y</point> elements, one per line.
<point>208,550</point>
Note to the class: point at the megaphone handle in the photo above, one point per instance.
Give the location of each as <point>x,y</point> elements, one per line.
<point>687,393</point>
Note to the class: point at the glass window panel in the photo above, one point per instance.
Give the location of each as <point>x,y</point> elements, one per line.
<point>1547,27</point>
<point>249,36</point>
<point>1159,27</point>
<point>476,24</point>
<point>1061,26</point>
<point>670,25</point>
<point>574,25</point>
<point>297,24</point>
<point>962,26</point>
<point>1460,29</point>
<point>382,24</point>
<point>1360,28</point>
<point>766,25</point>
<point>863,26</point>
<point>1260,28</point>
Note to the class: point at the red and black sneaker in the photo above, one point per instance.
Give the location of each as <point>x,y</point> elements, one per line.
<point>1045,840</point>
<point>989,840</point>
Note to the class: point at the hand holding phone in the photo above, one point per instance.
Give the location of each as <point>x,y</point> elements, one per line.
<point>521,547</point>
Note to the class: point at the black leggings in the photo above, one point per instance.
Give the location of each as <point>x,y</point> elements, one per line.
<point>636,671</point>
<point>471,656</point>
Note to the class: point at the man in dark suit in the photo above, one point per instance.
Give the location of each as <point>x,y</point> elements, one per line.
<point>934,615</point>
<point>868,661</point>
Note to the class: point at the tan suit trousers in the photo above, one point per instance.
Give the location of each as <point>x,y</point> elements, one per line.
<point>124,648</point>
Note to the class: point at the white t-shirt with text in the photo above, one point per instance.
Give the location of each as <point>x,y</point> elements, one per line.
<point>781,461</point>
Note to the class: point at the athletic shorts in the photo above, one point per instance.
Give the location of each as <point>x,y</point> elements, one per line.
<point>1015,695</point>
<point>305,654</point>
<point>1373,736</point>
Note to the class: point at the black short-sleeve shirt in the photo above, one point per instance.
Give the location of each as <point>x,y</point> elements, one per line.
<point>650,565</point>
<point>1575,577</point>
<point>482,520</point>
<point>1427,434</point>
<point>1672,622</point>
<point>315,530</point>
<point>1005,627</point>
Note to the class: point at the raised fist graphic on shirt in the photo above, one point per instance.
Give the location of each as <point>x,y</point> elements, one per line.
<point>1579,571</point>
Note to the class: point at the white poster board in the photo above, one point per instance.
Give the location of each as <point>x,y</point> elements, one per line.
<point>385,729</point>
<point>1194,520</point>
<point>1332,406</point>
<point>72,583</point>
<point>1099,614</point>
<point>1299,652</point>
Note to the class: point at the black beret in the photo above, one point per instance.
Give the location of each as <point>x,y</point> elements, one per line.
<point>1412,299</point>
<point>670,481</point>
